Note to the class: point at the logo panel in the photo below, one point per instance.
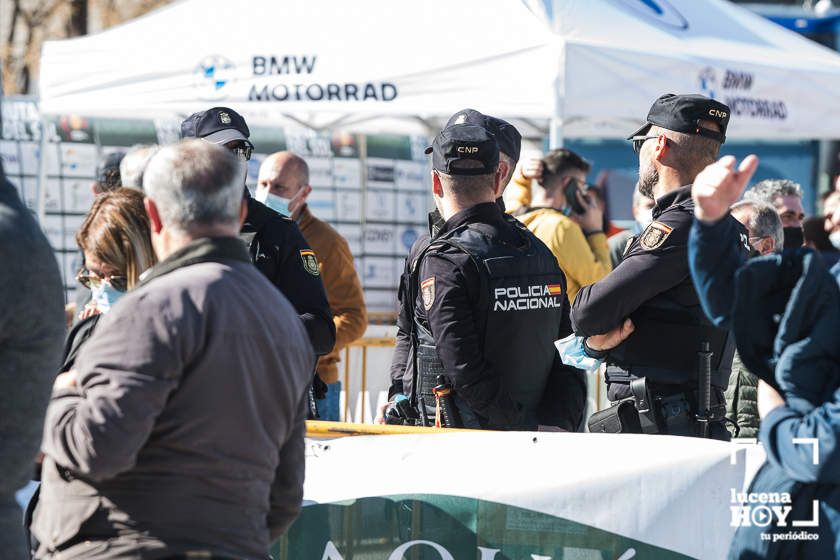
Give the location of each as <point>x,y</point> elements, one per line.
<point>213,77</point>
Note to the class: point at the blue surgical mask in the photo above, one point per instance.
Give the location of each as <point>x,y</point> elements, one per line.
<point>572,353</point>
<point>834,237</point>
<point>104,295</point>
<point>276,203</point>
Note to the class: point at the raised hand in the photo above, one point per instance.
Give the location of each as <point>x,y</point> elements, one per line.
<point>720,185</point>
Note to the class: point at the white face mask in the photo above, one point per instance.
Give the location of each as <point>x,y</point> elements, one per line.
<point>276,203</point>
<point>645,217</point>
<point>834,237</point>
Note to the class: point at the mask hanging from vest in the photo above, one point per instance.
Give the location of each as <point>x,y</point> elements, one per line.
<point>793,238</point>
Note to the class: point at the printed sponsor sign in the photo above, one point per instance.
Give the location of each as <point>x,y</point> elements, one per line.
<point>612,497</point>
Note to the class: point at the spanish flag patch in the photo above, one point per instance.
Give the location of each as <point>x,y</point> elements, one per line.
<point>427,289</point>
<point>555,289</point>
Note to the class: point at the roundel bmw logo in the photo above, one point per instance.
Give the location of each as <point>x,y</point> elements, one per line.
<point>213,76</point>
<point>707,79</point>
<point>659,11</point>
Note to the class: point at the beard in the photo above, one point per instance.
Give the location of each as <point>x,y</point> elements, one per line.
<point>648,178</point>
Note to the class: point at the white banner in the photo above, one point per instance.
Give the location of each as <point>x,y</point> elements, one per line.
<point>541,496</point>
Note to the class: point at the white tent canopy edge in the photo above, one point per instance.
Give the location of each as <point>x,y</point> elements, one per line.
<point>590,68</point>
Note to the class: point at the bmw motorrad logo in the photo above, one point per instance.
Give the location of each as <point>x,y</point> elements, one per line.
<point>213,77</point>
<point>658,11</point>
<point>707,81</point>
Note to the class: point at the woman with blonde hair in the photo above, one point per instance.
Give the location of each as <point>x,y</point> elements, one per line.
<point>116,241</point>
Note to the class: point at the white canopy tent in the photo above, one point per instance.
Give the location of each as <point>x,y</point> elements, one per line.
<point>580,68</point>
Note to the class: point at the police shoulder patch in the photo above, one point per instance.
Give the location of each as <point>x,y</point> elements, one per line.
<point>310,263</point>
<point>654,236</point>
<point>427,289</point>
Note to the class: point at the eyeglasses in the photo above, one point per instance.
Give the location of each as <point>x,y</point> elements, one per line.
<point>90,279</point>
<point>638,141</point>
<point>242,152</point>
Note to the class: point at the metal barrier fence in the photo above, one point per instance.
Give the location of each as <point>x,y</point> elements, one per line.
<point>363,343</point>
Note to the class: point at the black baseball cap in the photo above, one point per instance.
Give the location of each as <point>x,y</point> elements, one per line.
<point>108,169</point>
<point>683,113</point>
<point>218,125</point>
<point>509,139</point>
<point>464,142</point>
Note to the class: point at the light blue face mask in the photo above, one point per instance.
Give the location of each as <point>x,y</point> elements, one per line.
<point>572,353</point>
<point>104,295</point>
<point>276,203</point>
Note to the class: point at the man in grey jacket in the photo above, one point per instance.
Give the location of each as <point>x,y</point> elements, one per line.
<point>180,433</point>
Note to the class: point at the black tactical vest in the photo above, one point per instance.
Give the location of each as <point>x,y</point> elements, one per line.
<point>519,313</point>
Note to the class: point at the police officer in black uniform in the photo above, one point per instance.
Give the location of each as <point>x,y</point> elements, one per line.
<point>275,243</point>
<point>488,303</point>
<point>510,142</point>
<point>656,367</point>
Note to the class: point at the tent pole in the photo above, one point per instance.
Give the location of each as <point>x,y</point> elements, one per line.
<point>41,185</point>
<point>555,126</point>
<point>555,133</point>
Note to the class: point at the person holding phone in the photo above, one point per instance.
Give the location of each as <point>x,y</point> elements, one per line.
<point>571,222</point>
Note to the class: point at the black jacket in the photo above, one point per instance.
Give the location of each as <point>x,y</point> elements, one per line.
<point>652,285</point>
<point>279,251</point>
<point>482,359</point>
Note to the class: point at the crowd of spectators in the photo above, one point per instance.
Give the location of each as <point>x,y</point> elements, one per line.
<point>208,326</point>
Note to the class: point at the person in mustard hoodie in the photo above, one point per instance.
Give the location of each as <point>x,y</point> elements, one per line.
<point>572,229</point>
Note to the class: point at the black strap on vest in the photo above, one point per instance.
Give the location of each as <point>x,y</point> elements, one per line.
<point>644,406</point>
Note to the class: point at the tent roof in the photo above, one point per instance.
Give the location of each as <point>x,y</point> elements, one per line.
<point>594,66</point>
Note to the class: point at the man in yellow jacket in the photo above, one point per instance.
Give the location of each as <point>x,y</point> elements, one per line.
<point>572,229</point>
<point>283,185</point>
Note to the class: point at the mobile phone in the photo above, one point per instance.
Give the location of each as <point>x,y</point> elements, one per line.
<point>571,196</point>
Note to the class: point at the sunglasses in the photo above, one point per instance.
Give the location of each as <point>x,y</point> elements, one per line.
<point>90,279</point>
<point>242,152</point>
<point>638,141</point>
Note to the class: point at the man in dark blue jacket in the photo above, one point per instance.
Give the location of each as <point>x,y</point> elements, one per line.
<point>487,302</point>
<point>510,143</point>
<point>655,371</point>
<point>785,313</point>
<point>275,243</point>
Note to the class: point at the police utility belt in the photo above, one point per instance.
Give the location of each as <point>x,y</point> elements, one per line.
<point>682,411</point>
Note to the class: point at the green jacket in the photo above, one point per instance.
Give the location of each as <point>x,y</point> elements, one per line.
<point>742,399</point>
